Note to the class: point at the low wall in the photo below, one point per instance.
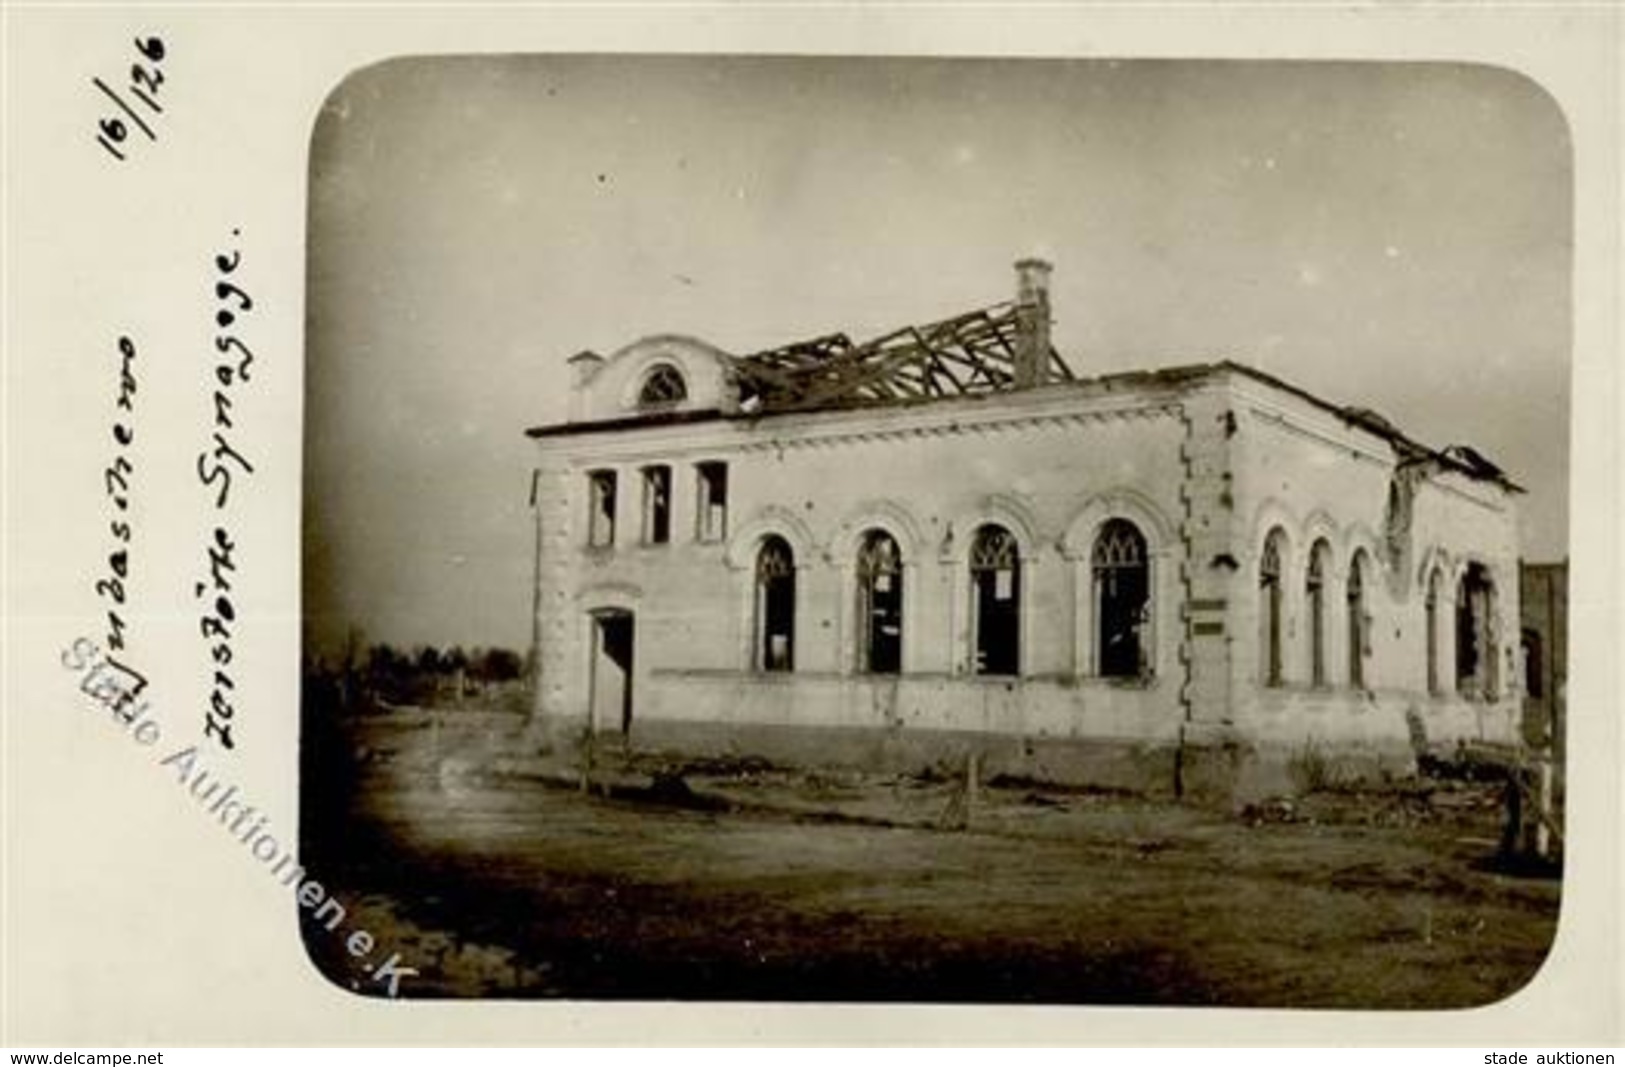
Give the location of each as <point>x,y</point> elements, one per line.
<point>1089,733</point>
<point>1147,767</point>
<point>1353,719</point>
<point>1033,707</point>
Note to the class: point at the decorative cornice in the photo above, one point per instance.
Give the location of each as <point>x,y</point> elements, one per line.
<point>960,426</point>
<point>716,434</point>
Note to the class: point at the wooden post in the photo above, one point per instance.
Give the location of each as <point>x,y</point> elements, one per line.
<point>434,743</point>
<point>586,762</point>
<point>1543,834</point>
<point>1512,829</point>
<point>957,813</point>
<point>971,769</point>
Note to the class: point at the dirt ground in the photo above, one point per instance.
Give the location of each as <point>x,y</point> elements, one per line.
<point>498,879</point>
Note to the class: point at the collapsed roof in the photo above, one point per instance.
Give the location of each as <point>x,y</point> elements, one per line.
<point>969,354</point>
<point>1000,348</point>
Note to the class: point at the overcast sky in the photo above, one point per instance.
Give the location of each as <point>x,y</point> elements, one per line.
<point>1393,236</point>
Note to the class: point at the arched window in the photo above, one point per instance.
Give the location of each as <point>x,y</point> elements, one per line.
<point>1315,594</point>
<point>775,606</point>
<point>1475,642</point>
<point>662,385</point>
<point>1358,631</point>
<point>880,604</point>
<point>1269,609</point>
<point>1122,600</point>
<point>995,573</point>
<point>1434,580</point>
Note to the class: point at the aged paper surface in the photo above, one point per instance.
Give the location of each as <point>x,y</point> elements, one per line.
<point>131,919</point>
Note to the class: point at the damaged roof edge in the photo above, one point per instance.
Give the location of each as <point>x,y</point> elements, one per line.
<point>1371,422</point>
<point>1473,464</point>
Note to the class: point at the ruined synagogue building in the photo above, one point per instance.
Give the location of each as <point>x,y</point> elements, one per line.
<point>946,540</point>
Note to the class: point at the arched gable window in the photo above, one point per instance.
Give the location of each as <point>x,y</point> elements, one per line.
<point>1270,608</point>
<point>775,605</point>
<point>662,385</point>
<point>1359,632</point>
<point>1122,600</point>
<point>995,573</point>
<point>1315,594</point>
<point>1435,579</point>
<point>880,604</point>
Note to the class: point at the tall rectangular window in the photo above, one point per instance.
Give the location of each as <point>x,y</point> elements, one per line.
<point>656,505</point>
<point>711,521</point>
<point>1434,581</point>
<point>1122,601</point>
<point>775,606</point>
<point>1269,608</point>
<point>1475,643</point>
<point>1359,625</point>
<point>880,604</point>
<point>1315,593</point>
<point>601,513</point>
<point>995,574</point>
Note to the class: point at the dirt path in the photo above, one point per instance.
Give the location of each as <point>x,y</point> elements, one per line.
<point>509,888</point>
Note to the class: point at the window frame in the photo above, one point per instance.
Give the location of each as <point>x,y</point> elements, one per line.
<point>707,531</point>
<point>1359,623</point>
<point>1483,683</point>
<point>1317,575</point>
<point>602,506</point>
<point>1272,609</point>
<point>656,512</point>
<point>977,568</point>
<point>1430,606</point>
<point>866,579</point>
<point>662,371</point>
<point>779,581</point>
<point>1105,572</point>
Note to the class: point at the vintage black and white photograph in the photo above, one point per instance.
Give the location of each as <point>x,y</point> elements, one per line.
<point>939,530</point>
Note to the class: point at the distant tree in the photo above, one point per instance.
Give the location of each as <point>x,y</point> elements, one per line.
<point>500,665</point>
<point>383,661</point>
<point>389,674</point>
<point>428,660</point>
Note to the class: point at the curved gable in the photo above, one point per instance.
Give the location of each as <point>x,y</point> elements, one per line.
<point>616,389</point>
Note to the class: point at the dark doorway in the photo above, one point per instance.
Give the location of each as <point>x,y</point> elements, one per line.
<point>612,670</point>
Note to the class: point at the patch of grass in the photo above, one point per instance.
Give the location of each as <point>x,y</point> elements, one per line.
<point>1314,770</point>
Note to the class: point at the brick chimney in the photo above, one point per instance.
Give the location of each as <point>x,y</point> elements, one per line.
<point>1032,322</point>
<point>583,365</point>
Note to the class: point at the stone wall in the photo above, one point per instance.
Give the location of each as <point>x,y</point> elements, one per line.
<point>1309,474</point>
<point>1203,465</point>
<point>1044,465</point>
